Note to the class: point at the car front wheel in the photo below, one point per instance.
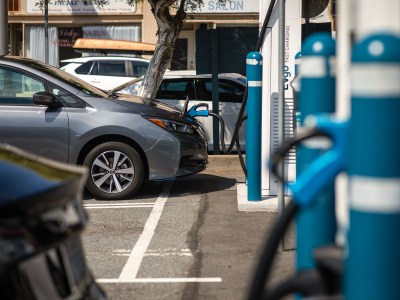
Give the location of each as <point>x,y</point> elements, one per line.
<point>115,171</point>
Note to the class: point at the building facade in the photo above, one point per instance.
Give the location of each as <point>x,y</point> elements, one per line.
<point>71,19</point>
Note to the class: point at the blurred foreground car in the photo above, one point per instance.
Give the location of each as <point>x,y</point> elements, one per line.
<point>177,85</point>
<point>41,219</point>
<point>122,139</point>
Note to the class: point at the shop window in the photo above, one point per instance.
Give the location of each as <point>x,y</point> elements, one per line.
<point>13,5</point>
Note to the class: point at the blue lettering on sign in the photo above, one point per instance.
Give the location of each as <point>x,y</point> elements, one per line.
<point>227,6</point>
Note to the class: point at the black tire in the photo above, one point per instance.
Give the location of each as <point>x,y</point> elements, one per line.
<point>111,181</point>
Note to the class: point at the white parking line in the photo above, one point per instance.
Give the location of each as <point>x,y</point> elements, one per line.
<point>162,280</point>
<point>118,205</point>
<point>156,253</point>
<point>131,267</point>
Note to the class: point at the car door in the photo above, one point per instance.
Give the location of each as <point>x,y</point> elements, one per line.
<point>37,129</point>
<point>230,101</point>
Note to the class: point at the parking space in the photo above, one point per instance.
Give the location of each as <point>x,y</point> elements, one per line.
<point>177,240</point>
<point>143,242</point>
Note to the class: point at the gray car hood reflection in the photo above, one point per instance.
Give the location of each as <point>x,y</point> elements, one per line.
<point>152,108</point>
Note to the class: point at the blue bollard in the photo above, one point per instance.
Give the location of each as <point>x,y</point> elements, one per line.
<point>296,88</point>
<point>297,63</point>
<point>372,267</point>
<point>315,224</point>
<point>253,125</point>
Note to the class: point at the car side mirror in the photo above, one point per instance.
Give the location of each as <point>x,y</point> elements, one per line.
<point>45,98</point>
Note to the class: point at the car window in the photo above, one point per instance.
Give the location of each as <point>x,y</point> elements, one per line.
<point>58,74</point>
<point>85,68</point>
<point>17,88</point>
<point>139,68</point>
<point>110,68</point>
<point>65,97</point>
<point>229,91</point>
<point>177,88</point>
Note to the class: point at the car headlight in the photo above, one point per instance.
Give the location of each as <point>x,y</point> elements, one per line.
<point>172,126</point>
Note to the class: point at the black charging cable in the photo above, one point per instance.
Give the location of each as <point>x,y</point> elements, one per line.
<point>241,117</point>
<point>258,289</point>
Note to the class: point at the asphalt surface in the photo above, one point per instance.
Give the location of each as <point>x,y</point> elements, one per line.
<point>200,247</point>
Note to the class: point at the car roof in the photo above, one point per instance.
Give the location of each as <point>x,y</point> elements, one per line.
<point>192,74</point>
<point>187,74</point>
<point>89,58</point>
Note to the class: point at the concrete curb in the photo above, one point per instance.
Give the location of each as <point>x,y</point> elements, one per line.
<point>267,203</point>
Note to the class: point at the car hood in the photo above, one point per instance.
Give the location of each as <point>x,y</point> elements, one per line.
<point>153,107</point>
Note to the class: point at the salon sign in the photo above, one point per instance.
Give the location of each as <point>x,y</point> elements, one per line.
<point>230,6</point>
<point>84,7</point>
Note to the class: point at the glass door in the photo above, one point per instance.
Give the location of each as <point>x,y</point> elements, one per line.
<point>183,58</point>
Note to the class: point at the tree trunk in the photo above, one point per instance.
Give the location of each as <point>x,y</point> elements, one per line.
<point>169,27</point>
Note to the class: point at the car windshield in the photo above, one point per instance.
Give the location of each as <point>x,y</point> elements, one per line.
<point>131,87</point>
<point>63,76</point>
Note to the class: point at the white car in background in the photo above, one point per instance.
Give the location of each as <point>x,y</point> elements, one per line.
<point>177,85</point>
<point>106,72</point>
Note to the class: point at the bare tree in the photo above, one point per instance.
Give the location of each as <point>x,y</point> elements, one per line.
<point>170,16</point>
<point>169,21</point>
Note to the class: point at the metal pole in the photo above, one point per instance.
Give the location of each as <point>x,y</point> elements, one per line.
<point>281,105</point>
<point>215,94</point>
<point>4,28</point>
<point>253,125</point>
<point>46,31</point>
<point>344,21</point>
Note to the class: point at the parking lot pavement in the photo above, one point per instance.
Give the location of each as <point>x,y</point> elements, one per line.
<point>200,247</point>
<point>231,240</point>
<point>225,165</point>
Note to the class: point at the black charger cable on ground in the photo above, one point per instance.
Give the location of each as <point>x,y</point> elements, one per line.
<point>241,117</point>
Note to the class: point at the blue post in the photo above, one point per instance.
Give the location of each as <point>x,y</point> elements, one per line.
<point>296,88</point>
<point>316,224</point>
<point>297,62</point>
<point>372,268</point>
<point>253,125</point>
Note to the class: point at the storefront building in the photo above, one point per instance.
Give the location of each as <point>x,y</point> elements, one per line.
<point>72,19</point>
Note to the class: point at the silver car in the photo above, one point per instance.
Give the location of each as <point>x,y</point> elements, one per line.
<point>176,86</point>
<point>123,140</point>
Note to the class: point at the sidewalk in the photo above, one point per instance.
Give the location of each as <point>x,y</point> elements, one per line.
<point>229,165</point>
<point>231,239</point>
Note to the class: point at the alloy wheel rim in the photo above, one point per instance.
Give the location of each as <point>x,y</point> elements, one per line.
<point>112,172</point>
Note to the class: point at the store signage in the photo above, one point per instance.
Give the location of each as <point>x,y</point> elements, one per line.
<point>230,6</point>
<point>67,36</point>
<point>83,7</point>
